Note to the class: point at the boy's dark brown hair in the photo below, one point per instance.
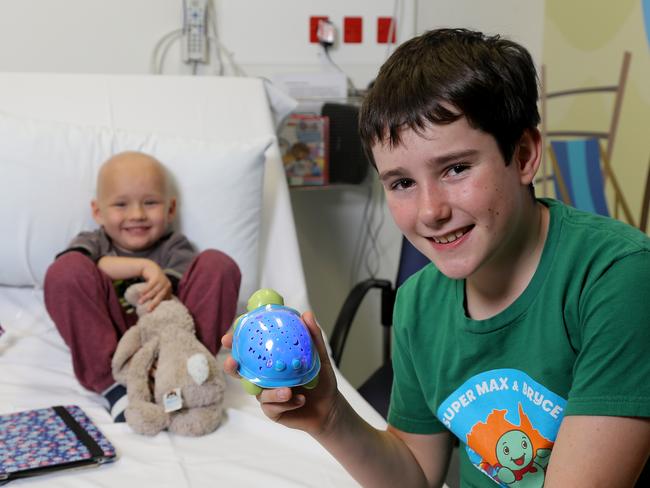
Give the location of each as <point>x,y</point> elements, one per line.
<point>445,74</point>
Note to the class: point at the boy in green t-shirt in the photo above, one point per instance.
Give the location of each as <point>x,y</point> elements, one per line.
<point>527,336</point>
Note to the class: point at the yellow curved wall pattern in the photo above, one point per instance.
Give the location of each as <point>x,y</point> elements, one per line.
<point>584,41</point>
<point>589,24</point>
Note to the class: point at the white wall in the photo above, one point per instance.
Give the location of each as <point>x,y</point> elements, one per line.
<point>265,37</point>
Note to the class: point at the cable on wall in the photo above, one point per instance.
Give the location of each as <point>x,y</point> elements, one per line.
<point>157,57</point>
<point>361,241</point>
<point>326,37</point>
<point>215,49</point>
<point>367,254</point>
<point>374,225</point>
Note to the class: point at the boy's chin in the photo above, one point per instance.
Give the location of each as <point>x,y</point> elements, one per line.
<point>132,246</point>
<point>453,271</point>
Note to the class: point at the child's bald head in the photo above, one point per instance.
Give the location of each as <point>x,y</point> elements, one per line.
<point>132,163</point>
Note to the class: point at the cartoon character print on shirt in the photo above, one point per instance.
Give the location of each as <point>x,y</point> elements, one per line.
<point>511,452</point>
<point>508,423</point>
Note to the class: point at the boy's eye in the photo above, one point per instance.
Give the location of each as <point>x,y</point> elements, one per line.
<point>151,202</point>
<point>118,204</point>
<point>401,184</point>
<point>457,168</point>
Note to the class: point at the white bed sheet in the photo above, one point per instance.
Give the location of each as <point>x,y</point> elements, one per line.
<point>247,450</point>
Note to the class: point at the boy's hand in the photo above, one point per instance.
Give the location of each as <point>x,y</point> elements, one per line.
<point>158,286</point>
<point>298,408</point>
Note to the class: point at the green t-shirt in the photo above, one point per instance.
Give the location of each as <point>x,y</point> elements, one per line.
<point>575,342</point>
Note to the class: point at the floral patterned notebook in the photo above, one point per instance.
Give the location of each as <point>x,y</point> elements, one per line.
<point>36,442</point>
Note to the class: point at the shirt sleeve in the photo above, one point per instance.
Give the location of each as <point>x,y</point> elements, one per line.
<point>612,369</point>
<point>408,410</point>
<point>88,243</point>
<point>177,256</point>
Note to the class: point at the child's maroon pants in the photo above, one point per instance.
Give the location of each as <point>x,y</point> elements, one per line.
<point>83,304</point>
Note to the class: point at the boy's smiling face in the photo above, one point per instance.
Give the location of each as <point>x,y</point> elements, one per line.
<point>133,203</point>
<point>452,195</point>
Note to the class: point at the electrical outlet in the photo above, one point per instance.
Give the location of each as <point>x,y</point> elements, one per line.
<point>383,30</point>
<point>352,30</point>
<point>313,27</point>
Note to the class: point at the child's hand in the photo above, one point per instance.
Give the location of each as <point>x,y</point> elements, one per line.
<point>298,408</point>
<point>158,287</point>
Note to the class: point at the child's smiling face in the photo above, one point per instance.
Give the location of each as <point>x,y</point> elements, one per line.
<point>132,202</point>
<point>452,195</point>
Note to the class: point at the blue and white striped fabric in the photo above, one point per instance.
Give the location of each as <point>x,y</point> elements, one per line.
<point>645,6</point>
<point>579,162</point>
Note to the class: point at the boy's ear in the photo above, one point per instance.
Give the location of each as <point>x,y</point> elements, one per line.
<point>96,211</point>
<point>171,211</point>
<point>528,155</point>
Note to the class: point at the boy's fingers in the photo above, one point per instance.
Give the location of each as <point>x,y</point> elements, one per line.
<point>156,298</point>
<point>147,293</point>
<point>316,333</point>
<point>226,340</point>
<point>230,366</point>
<point>275,410</point>
<point>275,395</point>
<point>154,303</point>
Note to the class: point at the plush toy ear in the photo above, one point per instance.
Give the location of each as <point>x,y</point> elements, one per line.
<point>132,295</point>
<point>197,367</point>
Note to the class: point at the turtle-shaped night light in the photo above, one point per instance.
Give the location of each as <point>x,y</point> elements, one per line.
<point>273,346</point>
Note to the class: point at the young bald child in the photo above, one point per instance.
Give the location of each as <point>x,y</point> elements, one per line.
<point>134,207</point>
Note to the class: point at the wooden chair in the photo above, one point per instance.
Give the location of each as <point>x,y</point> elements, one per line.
<point>580,159</point>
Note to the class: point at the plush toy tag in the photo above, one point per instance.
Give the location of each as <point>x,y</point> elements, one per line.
<point>172,400</point>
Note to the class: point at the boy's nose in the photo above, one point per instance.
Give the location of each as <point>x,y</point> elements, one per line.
<point>433,208</point>
<point>136,211</point>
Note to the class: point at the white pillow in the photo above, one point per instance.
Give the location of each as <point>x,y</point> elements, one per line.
<point>47,179</point>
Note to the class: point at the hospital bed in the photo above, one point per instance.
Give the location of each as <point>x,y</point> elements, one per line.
<point>217,136</point>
